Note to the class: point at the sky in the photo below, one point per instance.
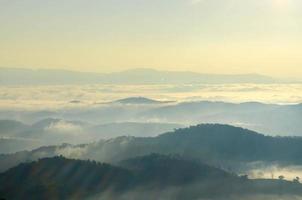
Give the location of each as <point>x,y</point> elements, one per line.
<point>208,36</point>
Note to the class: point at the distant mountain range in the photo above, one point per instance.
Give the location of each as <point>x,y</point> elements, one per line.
<point>271,119</point>
<point>148,177</point>
<point>16,76</point>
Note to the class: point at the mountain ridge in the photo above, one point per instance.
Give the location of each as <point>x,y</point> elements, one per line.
<point>211,143</point>
<point>12,76</point>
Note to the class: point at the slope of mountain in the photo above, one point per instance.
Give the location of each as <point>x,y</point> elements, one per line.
<point>11,127</point>
<point>13,137</point>
<point>136,129</point>
<point>172,169</point>
<point>61,178</point>
<point>211,143</point>
<point>272,119</point>
<point>17,76</point>
<point>16,136</point>
<point>151,76</point>
<point>44,132</point>
<point>15,144</point>
<point>195,110</point>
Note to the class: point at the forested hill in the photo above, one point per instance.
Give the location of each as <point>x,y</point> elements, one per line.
<point>61,178</point>
<point>211,143</point>
<point>224,142</point>
<point>58,177</point>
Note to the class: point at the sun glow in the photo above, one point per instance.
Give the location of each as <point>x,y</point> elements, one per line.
<point>281,3</point>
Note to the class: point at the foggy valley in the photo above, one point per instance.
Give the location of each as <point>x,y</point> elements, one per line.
<point>151,100</point>
<point>136,140</point>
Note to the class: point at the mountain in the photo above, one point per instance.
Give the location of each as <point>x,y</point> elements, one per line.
<point>172,169</point>
<point>17,76</point>
<point>60,178</point>
<point>148,177</point>
<point>136,129</point>
<point>272,119</point>
<point>211,143</point>
<point>12,138</point>
<point>151,76</point>
<point>219,145</point>
<point>15,144</point>
<point>51,177</point>
<point>139,100</point>
<point>11,127</point>
<point>198,109</point>
<point>48,131</point>
<point>16,136</point>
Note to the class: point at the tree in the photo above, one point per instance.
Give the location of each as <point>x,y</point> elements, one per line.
<point>244,177</point>
<point>281,177</point>
<point>296,180</point>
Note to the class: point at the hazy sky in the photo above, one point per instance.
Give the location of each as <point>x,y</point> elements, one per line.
<point>211,36</point>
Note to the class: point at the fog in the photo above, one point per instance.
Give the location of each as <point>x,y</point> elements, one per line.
<point>87,96</point>
<point>100,122</point>
<point>95,104</point>
<point>181,193</point>
<point>262,170</point>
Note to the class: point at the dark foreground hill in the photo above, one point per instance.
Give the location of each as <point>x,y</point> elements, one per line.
<point>211,143</point>
<point>60,178</point>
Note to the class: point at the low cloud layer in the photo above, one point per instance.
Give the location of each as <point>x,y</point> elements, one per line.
<point>273,171</point>
<point>64,127</point>
<point>83,96</point>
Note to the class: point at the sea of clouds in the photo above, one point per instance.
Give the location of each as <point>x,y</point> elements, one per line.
<point>77,96</point>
